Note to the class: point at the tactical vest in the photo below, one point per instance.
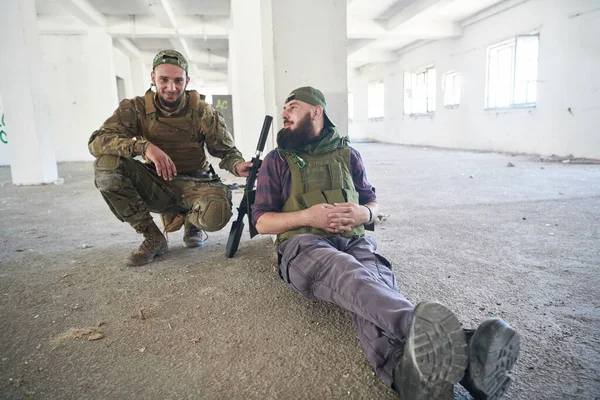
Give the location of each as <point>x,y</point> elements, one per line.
<point>320,179</point>
<point>179,137</point>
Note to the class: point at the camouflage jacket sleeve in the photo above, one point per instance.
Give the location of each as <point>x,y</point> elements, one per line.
<point>117,136</point>
<point>219,142</point>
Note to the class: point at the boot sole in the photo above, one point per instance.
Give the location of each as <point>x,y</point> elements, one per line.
<point>192,244</point>
<point>133,263</point>
<point>501,347</point>
<point>436,346</point>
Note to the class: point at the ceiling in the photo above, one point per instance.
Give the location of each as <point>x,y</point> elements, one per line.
<point>378,30</point>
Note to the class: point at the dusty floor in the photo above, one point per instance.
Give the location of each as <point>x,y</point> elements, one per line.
<point>486,239</point>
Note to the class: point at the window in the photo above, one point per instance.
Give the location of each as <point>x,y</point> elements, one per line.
<point>419,91</point>
<point>350,106</point>
<point>512,73</point>
<point>451,86</point>
<point>375,100</point>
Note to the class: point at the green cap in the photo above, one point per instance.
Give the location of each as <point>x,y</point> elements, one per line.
<point>312,96</point>
<point>170,57</point>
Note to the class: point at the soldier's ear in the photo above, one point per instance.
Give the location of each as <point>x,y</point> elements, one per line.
<point>318,111</point>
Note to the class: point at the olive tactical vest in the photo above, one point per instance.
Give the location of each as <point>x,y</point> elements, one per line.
<point>320,179</point>
<point>179,137</point>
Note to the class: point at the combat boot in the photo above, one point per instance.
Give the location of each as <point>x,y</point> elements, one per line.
<point>192,235</point>
<point>493,350</point>
<point>435,355</point>
<point>154,244</point>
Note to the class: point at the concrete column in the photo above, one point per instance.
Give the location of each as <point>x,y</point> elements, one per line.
<point>310,48</point>
<point>273,50</point>
<point>24,95</point>
<point>4,155</point>
<point>251,70</point>
<point>102,81</point>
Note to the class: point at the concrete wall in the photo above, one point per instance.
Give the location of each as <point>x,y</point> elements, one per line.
<point>73,116</point>
<point>569,61</point>
<point>66,73</point>
<point>123,71</point>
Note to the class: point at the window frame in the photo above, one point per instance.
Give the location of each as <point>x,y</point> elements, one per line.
<point>454,75</point>
<point>413,78</point>
<point>514,43</point>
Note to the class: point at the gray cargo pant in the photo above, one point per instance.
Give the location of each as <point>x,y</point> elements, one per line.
<point>349,273</point>
<point>133,189</point>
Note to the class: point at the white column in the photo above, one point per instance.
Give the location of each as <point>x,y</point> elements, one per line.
<point>277,46</point>
<point>310,48</point>
<point>250,70</point>
<point>24,96</point>
<point>102,81</point>
<point>4,154</point>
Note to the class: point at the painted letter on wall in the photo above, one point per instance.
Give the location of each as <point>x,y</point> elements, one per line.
<point>3,135</point>
<point>221,102</point>
<point>4,158</point>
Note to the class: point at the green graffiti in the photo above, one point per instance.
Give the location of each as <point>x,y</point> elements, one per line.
<point>222,105</point>
<point>3,134</point>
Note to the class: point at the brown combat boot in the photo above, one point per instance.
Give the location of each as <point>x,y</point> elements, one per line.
<point>193,236</point>
<point>153,245</point>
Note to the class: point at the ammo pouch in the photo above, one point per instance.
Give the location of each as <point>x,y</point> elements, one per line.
<point>329,196</point>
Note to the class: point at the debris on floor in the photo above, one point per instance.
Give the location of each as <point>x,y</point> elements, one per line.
<point>90,332</point>
<point>569,159</point>
<point>382,217</point>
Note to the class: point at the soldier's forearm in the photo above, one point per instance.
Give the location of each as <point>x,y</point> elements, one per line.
<point>278,222</point>
<point>229,161</point>
<point>116,146</point>
<point>374,211</point>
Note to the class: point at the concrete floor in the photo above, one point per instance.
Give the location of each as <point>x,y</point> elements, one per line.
<point>518,242</point>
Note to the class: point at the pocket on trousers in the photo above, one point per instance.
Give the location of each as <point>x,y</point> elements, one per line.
<point>284,264</point>
<point>386,273</point>
<point>381,259</point>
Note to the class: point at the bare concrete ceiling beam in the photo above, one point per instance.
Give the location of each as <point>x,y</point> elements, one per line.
<point>85,12</point>
<point>411,11</point>
<point>129,48</point>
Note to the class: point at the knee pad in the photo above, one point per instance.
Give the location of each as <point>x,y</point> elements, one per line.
<point>107,163</point>
<point>211,212</point>
<point>107,175</point>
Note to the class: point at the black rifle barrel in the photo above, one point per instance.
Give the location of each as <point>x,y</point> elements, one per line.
<point>237,226</point>
<point>264,133</point>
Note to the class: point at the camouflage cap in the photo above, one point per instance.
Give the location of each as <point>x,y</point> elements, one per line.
<point>170,57</point>
<point>312,96</point>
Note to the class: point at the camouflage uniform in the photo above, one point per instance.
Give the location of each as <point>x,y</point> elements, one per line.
<point>133,189</point>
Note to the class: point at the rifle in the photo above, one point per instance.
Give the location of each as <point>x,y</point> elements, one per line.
<point>238,225</point>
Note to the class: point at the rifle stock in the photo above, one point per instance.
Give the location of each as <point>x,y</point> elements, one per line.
<point>237,227</point>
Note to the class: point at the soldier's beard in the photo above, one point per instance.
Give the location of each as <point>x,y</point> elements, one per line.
<point>292,139</point>
<point>172,105</point>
